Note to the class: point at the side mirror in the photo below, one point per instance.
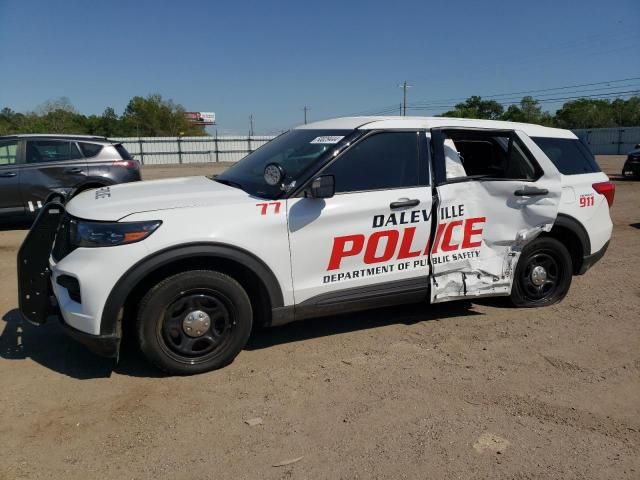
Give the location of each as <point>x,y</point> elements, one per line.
<point>323,186</point>
<point>637,146</point>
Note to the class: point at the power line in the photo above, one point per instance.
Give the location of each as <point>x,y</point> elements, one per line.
<point>420,102</point>
<point>516,100</point>
<point>548,100</point>
<point>439,103</point>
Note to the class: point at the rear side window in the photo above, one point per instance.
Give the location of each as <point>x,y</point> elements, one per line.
<point>383,161</point>
<point>123,152</point>
<point>492,155</point>
<point>90,149</point>
<point>8,152</point>
<point>51,151</point>
<point>569,156</point>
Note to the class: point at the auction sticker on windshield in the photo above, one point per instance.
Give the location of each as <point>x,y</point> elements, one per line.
<point>331,139</point>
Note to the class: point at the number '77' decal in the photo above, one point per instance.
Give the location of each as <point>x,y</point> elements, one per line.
<point>264,207</point>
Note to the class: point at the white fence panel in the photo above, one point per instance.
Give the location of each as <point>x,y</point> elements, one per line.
<point>610,141</point>
<point>172,150</point>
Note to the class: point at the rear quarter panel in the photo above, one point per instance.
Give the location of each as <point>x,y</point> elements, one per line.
<point>580,201</point>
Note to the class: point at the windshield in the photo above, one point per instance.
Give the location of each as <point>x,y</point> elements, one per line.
<point>295,151</point>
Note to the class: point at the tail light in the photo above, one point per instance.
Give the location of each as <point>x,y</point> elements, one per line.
<point>129,164</point>
<point>608,189</point>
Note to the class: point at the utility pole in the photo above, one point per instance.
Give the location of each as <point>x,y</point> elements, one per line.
<point>404,87</point>
<point>251,125</point>
<point>306,109</point>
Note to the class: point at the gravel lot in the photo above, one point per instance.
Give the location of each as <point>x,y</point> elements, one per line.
<point>461,390</point>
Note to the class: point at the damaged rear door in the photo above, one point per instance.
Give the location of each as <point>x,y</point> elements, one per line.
<point>496,191</point>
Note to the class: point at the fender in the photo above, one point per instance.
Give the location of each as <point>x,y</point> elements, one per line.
<point>102,181</point>
<point>570,223</point>
<point>115,302</point>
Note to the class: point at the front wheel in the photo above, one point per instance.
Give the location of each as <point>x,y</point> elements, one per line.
<point>543,275</point>
<point>194,322</point>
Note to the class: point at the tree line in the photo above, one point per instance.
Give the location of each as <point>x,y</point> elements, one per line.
<point>580,113</point>
<point>150,116</point>
<point>153,116</point>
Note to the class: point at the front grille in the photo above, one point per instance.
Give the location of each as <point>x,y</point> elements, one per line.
<point>62,245</point>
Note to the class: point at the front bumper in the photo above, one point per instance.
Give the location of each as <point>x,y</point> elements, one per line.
<point>589,261</point>
<point>36,294</point>
<point>631,166</point>
<point>103,345</point>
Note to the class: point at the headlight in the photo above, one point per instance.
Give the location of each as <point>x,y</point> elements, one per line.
<point>106,234</point>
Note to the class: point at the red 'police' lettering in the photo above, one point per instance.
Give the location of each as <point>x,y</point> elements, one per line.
<point>352,245</point>
<point>469,232</point>
<point>339,250</point>
<point>405,246</point>
<point>446,241</point>
<point>389,249</point>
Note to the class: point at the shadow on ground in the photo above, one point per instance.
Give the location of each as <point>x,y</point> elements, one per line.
<point>48,346</point>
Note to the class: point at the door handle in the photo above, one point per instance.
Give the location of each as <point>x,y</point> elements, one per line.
<point>404,203</point>
<point>7,174</point>
<point>74,170</point>
<point>531,192</point>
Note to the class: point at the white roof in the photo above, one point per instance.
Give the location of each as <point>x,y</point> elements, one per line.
<point>373,123</point>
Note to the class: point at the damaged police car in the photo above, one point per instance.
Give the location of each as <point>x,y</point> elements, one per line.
<point>335,216</point>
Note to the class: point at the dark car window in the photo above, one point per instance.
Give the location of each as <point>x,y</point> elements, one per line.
<point>123,152</point>
<point>383,161</point>
<point>494,155</point>
<point>51,151</point>
<point>90,149</point>
<point>8,152</point>
<point>569,156</point>
<point>296,151</point>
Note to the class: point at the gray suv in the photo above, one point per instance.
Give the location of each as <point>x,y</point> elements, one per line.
<point>36,168</point>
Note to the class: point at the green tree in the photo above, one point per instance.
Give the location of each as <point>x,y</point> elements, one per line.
<point>475,107</point>
<point>626,112</point>
<point>155,117</point>
<point>586,113</point>
<point>110,125</point>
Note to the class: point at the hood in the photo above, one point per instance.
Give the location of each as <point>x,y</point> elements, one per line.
<point>117,201</point>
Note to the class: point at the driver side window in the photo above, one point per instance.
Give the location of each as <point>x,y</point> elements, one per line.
<point>383,161</point>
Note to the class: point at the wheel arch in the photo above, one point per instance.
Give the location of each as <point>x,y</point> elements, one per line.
<point>89,183</point>
<point>252,273</point>
<point>574,236</point>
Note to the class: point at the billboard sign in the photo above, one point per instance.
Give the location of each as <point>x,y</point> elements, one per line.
<point>201,118</point>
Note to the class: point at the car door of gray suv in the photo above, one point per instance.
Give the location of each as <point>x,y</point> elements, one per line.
<point>10,200</point>
<point>50,166</point>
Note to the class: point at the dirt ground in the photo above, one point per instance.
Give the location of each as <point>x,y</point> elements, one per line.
<point>461,390</point>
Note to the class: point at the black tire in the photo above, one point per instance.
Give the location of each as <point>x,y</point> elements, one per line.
<point>211,305</point>
<point>542,287</point>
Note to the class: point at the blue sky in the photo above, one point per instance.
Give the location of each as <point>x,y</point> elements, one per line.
<point>272,58</point>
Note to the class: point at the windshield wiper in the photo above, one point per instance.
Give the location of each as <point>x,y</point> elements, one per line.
<point>230,183</point>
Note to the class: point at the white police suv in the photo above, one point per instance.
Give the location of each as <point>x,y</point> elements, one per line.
<point>334,216</point>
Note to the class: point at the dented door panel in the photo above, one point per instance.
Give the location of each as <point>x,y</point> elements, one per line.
<point>482,226</point>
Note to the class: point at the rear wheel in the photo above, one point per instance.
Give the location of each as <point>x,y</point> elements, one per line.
<point>543,275</point>
<point>194,322</point>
